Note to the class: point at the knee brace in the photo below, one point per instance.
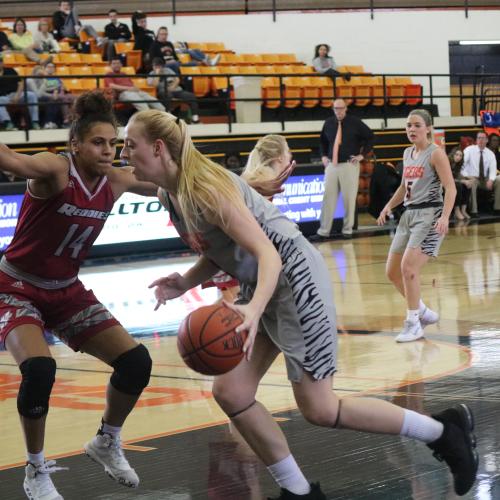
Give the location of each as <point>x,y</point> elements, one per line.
<point>132,370</point>
<point>38,375</point>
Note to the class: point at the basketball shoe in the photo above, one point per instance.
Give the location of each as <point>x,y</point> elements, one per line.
<point>410,332</point>
<point>314,494</point>
<point>107,451</point>
<point>428,317</point>
<point>37,483</point>
<point>457,446</point>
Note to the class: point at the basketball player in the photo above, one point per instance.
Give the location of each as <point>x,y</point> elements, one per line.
<point>67,201</point>
<point>288,299</point>
<point>424,224</point>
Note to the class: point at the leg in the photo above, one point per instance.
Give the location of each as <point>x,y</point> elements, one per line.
<point>330,197</point>
<point>25,343</point>
<point>132,368</point>
<point>349,183</point>
<point>393,271</point>
<point>133,97</point>
<point>496,189</point>
<point>449,433</point>
<point>188,97</point>
<point>413,261</point>
<point>109,346</point>
<point>33,106</point>
<point>4,115</point>
<point>235,391</point>
<point>152,102</point>
<point>473,196</point>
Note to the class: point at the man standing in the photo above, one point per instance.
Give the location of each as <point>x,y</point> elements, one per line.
<point>480,165</point>
<point>345,141</point>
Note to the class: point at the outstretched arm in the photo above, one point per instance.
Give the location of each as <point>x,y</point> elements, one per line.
<point>38,166</point>
<point>123,179</point>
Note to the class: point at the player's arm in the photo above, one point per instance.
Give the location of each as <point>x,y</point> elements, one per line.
<point>122,179</point>
<point>38,166</point>
<point>240,225</point>
<point>440,162</point>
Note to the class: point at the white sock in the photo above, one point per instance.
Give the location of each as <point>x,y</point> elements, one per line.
<point>421,427</point>
<point>287,474</point>
<point>110,429</point>
<point>36,458</point>
<point>412,315</point>
<point>421,307</point>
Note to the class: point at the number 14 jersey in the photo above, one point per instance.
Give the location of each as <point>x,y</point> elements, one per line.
<point>54,235</point>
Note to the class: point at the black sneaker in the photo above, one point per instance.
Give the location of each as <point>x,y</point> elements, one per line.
<point>314,494</point>
<point>457,446</point>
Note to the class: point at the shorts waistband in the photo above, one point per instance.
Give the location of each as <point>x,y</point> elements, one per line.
<point>47,284</point>
<point>418,206</point>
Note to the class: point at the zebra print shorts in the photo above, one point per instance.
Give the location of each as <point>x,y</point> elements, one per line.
<point>300,318</point>
<point>416,230</point>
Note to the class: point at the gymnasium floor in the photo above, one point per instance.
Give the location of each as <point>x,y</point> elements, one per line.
<point>181,444</point>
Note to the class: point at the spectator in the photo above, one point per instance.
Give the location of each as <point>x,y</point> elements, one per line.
<point>66,24</point>
<point>493,144</point>
<point>232,161</point>
<point>11,92</point>
<point>115,32</point>
<point>480,166</point>
<point>55,101</point>
<point>43,40</point>
<point>197,55</point>
<point>325,64</point>
<point>143,37</point>
<point>344,142</point>
<point>167,85</point>
<point>463,186</point>
<point>4,42</point>
<point>125,90</point>
<point>22,41</point>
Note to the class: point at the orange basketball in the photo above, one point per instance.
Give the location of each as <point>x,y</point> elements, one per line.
<point>208,342</point>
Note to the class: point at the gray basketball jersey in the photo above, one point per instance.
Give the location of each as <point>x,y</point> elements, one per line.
<point>421,181</point>
<point>213,243</point>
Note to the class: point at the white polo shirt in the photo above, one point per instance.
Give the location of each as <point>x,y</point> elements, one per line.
<point>471,163</point>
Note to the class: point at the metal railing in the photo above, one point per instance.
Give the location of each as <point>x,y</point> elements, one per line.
<point>485,93</point>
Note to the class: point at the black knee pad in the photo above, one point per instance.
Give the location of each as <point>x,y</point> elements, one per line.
<point>34,393</point>
<point>132,371</point>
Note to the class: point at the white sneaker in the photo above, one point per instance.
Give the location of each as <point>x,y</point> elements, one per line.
<point>428,317</point>
<point>37,483</point>
<point>410,332</point>
<point>215,60</point>
<point>107,451</point>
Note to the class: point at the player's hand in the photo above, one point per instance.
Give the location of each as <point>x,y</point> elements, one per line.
<point>274,186</point>
<point>171,287</point>
<point>325,161</point>
<point>442,225</point>
<point>251,317</point>
<point>383,216</point>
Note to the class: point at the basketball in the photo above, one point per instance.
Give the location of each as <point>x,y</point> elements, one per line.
<point>208,342</point>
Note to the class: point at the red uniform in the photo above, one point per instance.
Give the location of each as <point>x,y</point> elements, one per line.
<point>39,271</point>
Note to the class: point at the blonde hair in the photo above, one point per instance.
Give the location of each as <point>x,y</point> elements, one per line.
<point>426,116</point>
<point>202,183</point>
<point>260,161</point>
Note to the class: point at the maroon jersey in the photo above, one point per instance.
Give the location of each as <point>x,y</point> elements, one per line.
<point>54,235</point>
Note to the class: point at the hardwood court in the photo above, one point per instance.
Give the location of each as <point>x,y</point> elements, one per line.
<point>181,444</point>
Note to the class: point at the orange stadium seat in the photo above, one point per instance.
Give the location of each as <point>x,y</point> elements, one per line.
<point>201,84</point>
<point>214,47</point>
<point>184,58</point>
<point>91,59</point>
<point>270,59</point>
<point>344,90</point>
<point>128,70</point>
<point>310,92</point>
<point>287,58</point>
<point>326,93</point>
<point>412,91</point>
<point>377,88</point>
<point>252,59</point>
<point>395,92</point>
<point>361,91</point>
<point>68,58</point>
<point>80,70</point>
<point>248,70</point>
<point>293,91</point>
<point>271,92</point>
<point>124,47</point>
<point>62,70</point>
<point>134,58</point>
